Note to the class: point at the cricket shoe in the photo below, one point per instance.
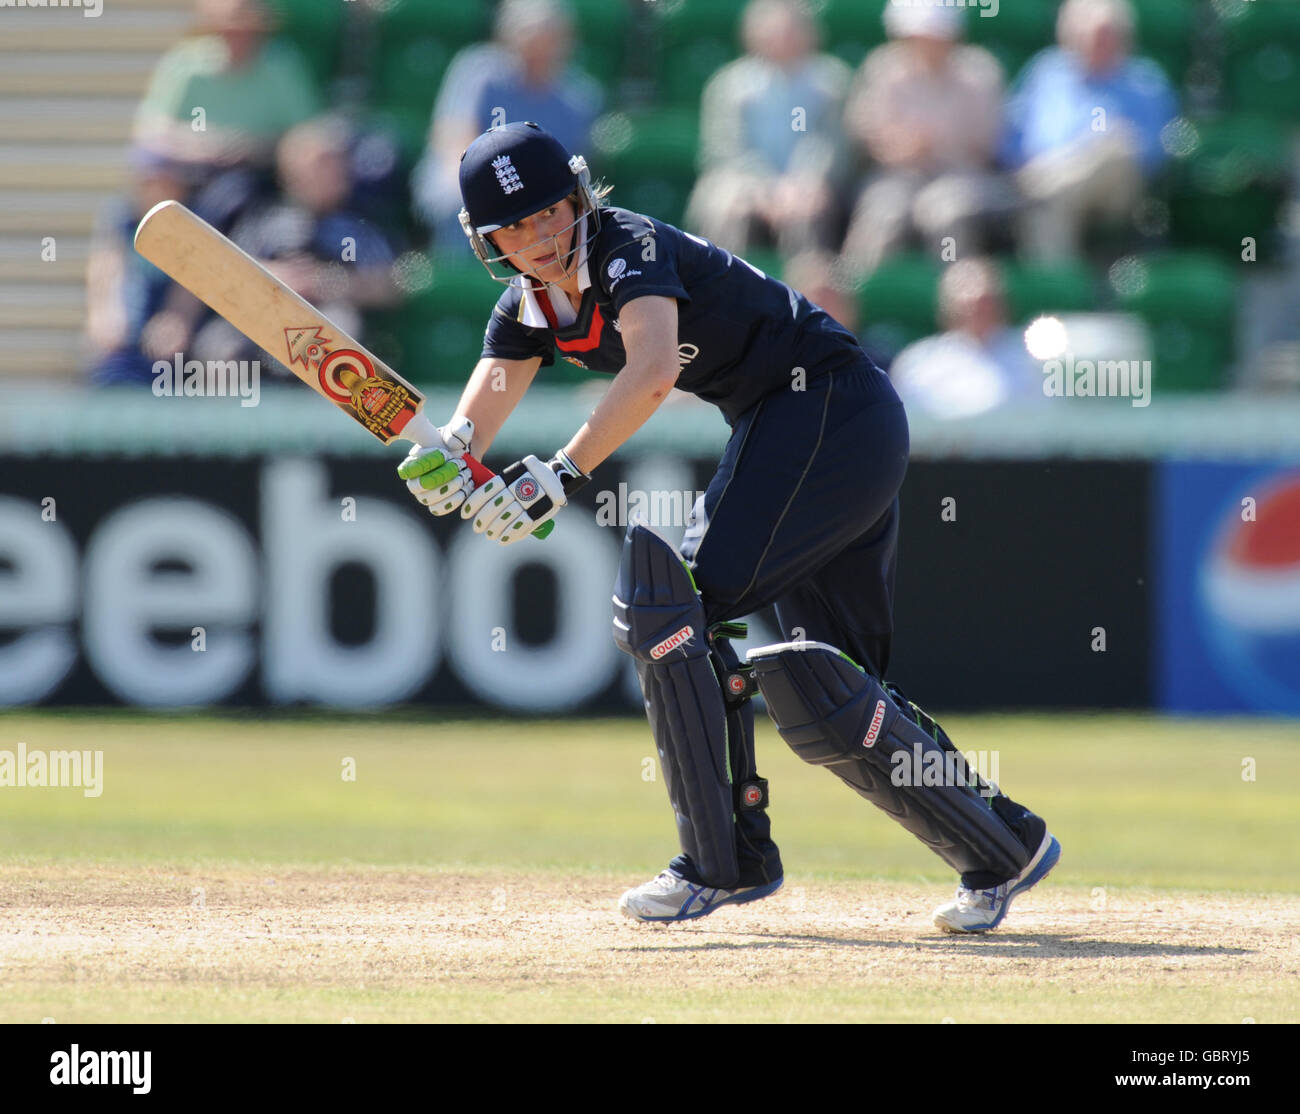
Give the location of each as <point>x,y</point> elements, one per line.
<point>981,910</point>
<point>670,897</point>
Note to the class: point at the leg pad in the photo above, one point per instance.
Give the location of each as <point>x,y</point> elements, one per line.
<point>659,620</point>
<point>833,714</point>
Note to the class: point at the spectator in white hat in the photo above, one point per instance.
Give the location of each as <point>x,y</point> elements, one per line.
<point>926,113</point>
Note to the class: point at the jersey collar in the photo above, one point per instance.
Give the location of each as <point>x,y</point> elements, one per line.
<point>532,314</point>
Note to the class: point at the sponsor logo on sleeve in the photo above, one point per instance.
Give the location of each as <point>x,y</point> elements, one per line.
<point>618,271</point>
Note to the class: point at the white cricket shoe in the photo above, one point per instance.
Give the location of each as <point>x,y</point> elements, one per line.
<point>669,897</point>
<point>981,910</point>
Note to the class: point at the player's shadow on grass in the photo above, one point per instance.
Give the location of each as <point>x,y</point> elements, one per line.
<point>1009,944</point>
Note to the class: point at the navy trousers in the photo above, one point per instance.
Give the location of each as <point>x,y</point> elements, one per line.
<point>803,513</point>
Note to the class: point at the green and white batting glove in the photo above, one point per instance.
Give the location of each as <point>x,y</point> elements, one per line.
<point>527,494</point>
<point>437,475</point>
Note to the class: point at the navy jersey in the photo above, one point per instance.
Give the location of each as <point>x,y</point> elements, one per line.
<point>740,332</point>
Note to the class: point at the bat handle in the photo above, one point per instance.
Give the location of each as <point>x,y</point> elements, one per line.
<point>481,473</point>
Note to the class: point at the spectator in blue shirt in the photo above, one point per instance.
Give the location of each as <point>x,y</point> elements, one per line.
<point>772,151</point>
<point>1083,128</point>
<point>523,74</point>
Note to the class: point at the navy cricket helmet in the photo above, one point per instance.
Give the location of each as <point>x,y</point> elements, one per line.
<point>509,173</point>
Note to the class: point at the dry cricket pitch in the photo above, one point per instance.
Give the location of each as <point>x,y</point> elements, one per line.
<point>111,944</point>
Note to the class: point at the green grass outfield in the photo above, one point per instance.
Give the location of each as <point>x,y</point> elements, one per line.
<point>455,822</point>
<point>1135,800</point>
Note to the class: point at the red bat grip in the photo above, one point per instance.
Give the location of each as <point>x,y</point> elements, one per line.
<point>481,473</point>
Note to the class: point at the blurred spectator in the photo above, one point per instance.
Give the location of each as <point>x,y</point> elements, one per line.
<point>928,113</point>
<point>1083,128</point>
<point>523,74</point>
<point>251,89</point>
<point>980,362</point>
<point>308,238</point>
<point>772,153</point>
<point>135,314</point>
<point>130,304</point>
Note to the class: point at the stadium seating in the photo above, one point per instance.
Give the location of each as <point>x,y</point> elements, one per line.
<point>649,157</point>
<point>69,87</point>
<point>1165,34</point>
<point>1227,179</point>
<point>439,331</point>
<point>602,32</point>
<point>1230,183</point>
<point>413,43</point>
<point>694,40</point>
<point>851,29</point>
<point>1189,301</point>
<point>316,29</point>
<point>1036,289</point>
<point>1262,56</point>
<point>1018,32</point>
<point>898,302</point>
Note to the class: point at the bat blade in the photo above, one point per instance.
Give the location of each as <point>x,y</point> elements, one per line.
<point>235,285</point>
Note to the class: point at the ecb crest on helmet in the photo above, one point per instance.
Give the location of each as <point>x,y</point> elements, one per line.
<point>506,174</point>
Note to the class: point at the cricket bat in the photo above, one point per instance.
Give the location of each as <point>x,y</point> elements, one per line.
<point>235,285</point>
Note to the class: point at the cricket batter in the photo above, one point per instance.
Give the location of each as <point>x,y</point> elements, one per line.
<point>801,513</point>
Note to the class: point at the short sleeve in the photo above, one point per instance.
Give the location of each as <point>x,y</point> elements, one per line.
<point>508,338</point>
<point>643,267</point>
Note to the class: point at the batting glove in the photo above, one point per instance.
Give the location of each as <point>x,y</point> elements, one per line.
<point>525,495</point>
<point>438,475</point>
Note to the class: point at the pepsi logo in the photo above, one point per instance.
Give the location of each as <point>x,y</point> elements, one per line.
<point>1248,594</point>
<point>1252,576</point>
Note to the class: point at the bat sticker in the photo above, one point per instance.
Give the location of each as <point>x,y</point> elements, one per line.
<point>338,370</point>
